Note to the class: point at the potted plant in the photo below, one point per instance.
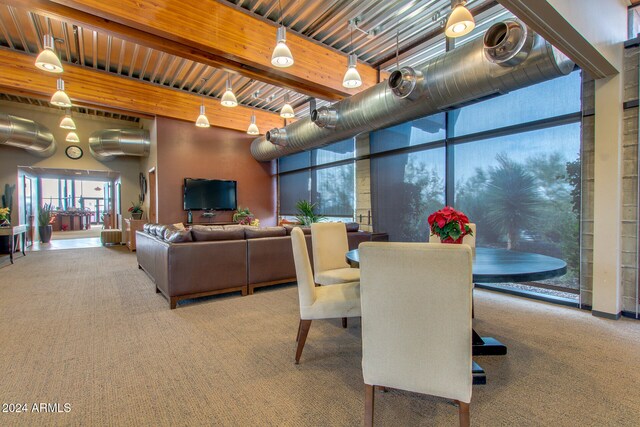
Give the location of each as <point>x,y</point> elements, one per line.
<point>44,223</point>
<point>5,217</point>
<point>244,216</point>
<point>136,210</point>
<point>306,213</point>
<point>449,224</point>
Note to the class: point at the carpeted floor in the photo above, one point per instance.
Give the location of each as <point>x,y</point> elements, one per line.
<point>97,336</point>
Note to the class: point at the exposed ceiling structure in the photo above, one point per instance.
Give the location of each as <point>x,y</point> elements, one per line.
<point>167,57</point>
<point>75,109</point>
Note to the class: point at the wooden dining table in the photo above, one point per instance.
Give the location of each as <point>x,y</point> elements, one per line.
<point>494,265</point>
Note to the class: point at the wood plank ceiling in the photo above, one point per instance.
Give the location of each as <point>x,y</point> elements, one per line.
<point>185,51</point>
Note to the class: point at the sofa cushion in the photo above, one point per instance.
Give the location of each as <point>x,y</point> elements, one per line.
<point>160,229</point>
<point>173,235</point>
<point>146,227</point>
<point>256,233</point>
<point>212,233</point>
<point>305,229</point>
<point>352,226</point>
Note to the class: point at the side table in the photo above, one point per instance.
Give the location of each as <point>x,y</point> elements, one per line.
<point>18,230</point>
<point>131,226</point>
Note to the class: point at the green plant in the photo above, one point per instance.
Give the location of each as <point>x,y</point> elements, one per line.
<point>7,199</point>
<point>307,215</point>
<point>243,216</point>
<point>44,215</point>
<point>136,207</point>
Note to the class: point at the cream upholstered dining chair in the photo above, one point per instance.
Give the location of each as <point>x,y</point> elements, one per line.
<point>467,240</point>
<point>324,302</point>
<point>416,320</point>
<point>330,246</point>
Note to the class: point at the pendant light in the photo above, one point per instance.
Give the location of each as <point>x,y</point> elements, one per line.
<point>352,77</point>
<point>60,99</point>
<point>281,56</point>
<point>229,99</point>
<point>460,21</point>
<point>72,137</point>
<point>67,122</point>
<point>202,121</point>
<point>253,128</point>
<point>47,60</point>
<point>287,110</point>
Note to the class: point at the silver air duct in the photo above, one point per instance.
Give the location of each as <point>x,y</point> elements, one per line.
<point>27,134</point>
<point>325,117</point>
<point>107,143</point>
<point>514,57</point>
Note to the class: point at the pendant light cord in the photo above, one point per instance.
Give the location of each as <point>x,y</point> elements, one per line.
<point>352,39</point>
<point>280,13</point>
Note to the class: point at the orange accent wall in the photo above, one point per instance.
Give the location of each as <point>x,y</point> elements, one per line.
<point>213,153</point>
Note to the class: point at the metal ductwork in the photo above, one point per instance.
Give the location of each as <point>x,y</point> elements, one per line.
<point>509,57</point>
<point>27,134</point>
<point>106,144</point>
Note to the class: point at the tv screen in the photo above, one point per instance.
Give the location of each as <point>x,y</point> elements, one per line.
<point>202,194</point>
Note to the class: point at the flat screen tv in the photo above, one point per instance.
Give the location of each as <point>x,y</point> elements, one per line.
<point>210,194</point>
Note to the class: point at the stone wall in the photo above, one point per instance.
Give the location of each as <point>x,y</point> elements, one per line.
<point>629,255</point>
<point>363,184</point>
<point>587,181</point>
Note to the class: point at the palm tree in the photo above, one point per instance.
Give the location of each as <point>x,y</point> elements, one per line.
<point>511,198</point>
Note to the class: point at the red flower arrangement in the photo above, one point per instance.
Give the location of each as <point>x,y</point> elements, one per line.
<point>451,225</point>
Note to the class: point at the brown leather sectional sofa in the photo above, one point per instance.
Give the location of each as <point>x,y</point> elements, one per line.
<point>212,260</point>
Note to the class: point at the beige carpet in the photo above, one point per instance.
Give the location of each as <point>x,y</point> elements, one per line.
<point>96,335</point>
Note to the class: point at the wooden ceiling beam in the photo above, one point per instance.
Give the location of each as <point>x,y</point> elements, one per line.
<point>99,89</point>
<point>214,34</point>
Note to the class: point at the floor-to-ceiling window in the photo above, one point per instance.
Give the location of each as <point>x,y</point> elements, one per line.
<point>512,163</point>
<point>324,176</point>
<point>72,194</point>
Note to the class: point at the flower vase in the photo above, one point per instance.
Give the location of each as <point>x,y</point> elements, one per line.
<point>458,241</point>
<point>136,215</point>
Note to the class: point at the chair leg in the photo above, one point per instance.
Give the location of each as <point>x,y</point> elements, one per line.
<point>463,414</point>
<point>304,330</point>
<point>368,405</point>
<point>299,329</point>
<point>344,322</point>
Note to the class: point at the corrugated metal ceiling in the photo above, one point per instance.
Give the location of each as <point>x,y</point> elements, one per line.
<point>379,25</point>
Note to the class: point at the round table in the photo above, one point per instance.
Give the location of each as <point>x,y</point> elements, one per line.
<point>492,265</point>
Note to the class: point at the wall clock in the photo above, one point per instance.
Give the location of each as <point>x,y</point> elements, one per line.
<point>73,152</point>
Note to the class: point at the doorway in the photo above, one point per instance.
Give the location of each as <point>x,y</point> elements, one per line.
<point>80,200</point>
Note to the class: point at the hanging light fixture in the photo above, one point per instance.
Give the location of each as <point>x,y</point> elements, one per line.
<point>352,77</point>
<point>67,122</point>
<point>281,56</point>
<point>287,110</point>
<point>202,121</point>
<point>72,137</point>
<point>228,98</point>
<point>47,60</point>
<point>460,21</point>
<point>253,128</point>
<point>60,99</point>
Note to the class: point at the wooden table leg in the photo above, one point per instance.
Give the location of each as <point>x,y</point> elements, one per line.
<point>24,242</point>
